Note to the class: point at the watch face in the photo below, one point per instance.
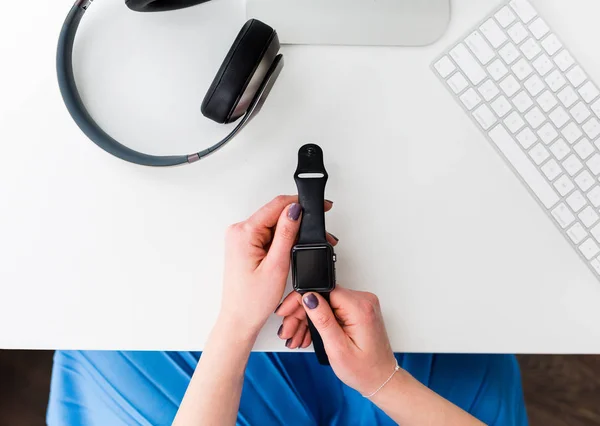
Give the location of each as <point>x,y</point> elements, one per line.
<point>313,268</point>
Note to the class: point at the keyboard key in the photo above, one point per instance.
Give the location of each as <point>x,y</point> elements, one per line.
<point>596,108</point>
<point>584,180</point>
<point>505,17</point>
<point>484,116</point>
<point>564,60</point>
<point>580,112</point>
<point>589,92</point>
<point>595,231</point>
<point>510,86</point>
<point>530,48</point>
<point>522,101</point>
<point>488,90</point>
<point>555,81</point>
<point>501,106</point>
<point>560,149</point>
<point>563,215</point>
<point>592,128</point>
<point>577,233</point>
<point>493,33</point>
<point>588,216</point>
<point>596,265</point>
<point>479,47</point>
<point>457,83</point>
<point>534,85</point>
<point>571,133</point>
<point>528,172</point>
<point>543,65</point>
<point>547,133</point>
<point>526,138</point>
<point>576,76</point>
<point>551,44</point>
<point>470,99</point>
<point>594,164</point>
<point>559,117</point>
<point>572,165</point>
<point>517,33</point>
<point>589,249</point>
<point>497,69</point>
<point>524,10</point>
<point>547,101</point>
<point>551,169</point>
<point>539,154</point>
<point>522,69</point>
<point>584,148</point>
<point>514,122</point>
<point>564,185</point>
<point>567,96</point>
<point>444,67</point>
<point>576,201</point>
<point>535,117</point>
<point>594,196</point>
<point>539,28</point>
<point>468,64</point>
<point>509,53</point>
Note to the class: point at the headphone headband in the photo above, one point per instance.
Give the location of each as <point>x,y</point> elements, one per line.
<point>79,113</point>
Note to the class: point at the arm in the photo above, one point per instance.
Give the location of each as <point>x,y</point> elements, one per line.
<point>213,395</point>
<point>257,263</point>
<point>360,354</point>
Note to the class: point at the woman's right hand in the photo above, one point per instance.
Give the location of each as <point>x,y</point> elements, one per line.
<point>353,333</point>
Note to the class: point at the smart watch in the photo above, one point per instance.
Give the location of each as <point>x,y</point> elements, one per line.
<point>313,258</point>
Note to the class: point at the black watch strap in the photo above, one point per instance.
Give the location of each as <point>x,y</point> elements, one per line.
<point>318,345</point>
<point>311,178</point>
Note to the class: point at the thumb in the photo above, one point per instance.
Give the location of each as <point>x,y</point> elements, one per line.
<point>321,315</point>
<point>286,231</point>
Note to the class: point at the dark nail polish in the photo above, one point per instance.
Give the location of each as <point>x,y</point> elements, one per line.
<point>277,308</point>
<point>334,237</point>
<point>311,301</point>
<point>287,343</point>
<point>329,201</point>
<point>294,211</point>
<point>280,330</point>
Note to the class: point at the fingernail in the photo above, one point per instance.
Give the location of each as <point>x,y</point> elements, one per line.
<point>280,330</point>
<point>311,301</point>
<point>334,237</point>
<point>329,201</point>
<point>294,211</point>
<point>279,306</point>
<point>287,343</point>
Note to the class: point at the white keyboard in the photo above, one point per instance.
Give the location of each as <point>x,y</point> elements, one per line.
<point>540,110</point>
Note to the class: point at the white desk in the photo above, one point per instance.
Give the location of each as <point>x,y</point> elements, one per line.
<point>98,253</point>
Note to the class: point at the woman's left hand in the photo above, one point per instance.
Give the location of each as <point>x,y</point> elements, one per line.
<point>257,263</point>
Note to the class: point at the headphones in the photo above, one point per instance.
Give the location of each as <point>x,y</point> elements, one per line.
<point>238,91</point>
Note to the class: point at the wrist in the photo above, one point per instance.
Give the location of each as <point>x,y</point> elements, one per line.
<point>398,385</point>
<point>237,330</point>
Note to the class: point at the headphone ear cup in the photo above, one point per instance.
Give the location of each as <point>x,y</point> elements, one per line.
<point>160,5</point>
<point>241,73</point>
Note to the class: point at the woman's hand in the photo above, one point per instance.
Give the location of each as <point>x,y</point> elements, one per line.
<point>257,263</point>
<point>353,333</point>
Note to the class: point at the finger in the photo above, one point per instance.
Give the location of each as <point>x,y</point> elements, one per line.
<point>277,260</point>
<point>332,239</point>
<point>298,338</point>
<point>344,298</point>
<point>288,328</point>
<point>291,304</point>
<point>267,216</point>
<point>307,340</point>
<point>325,322</point>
